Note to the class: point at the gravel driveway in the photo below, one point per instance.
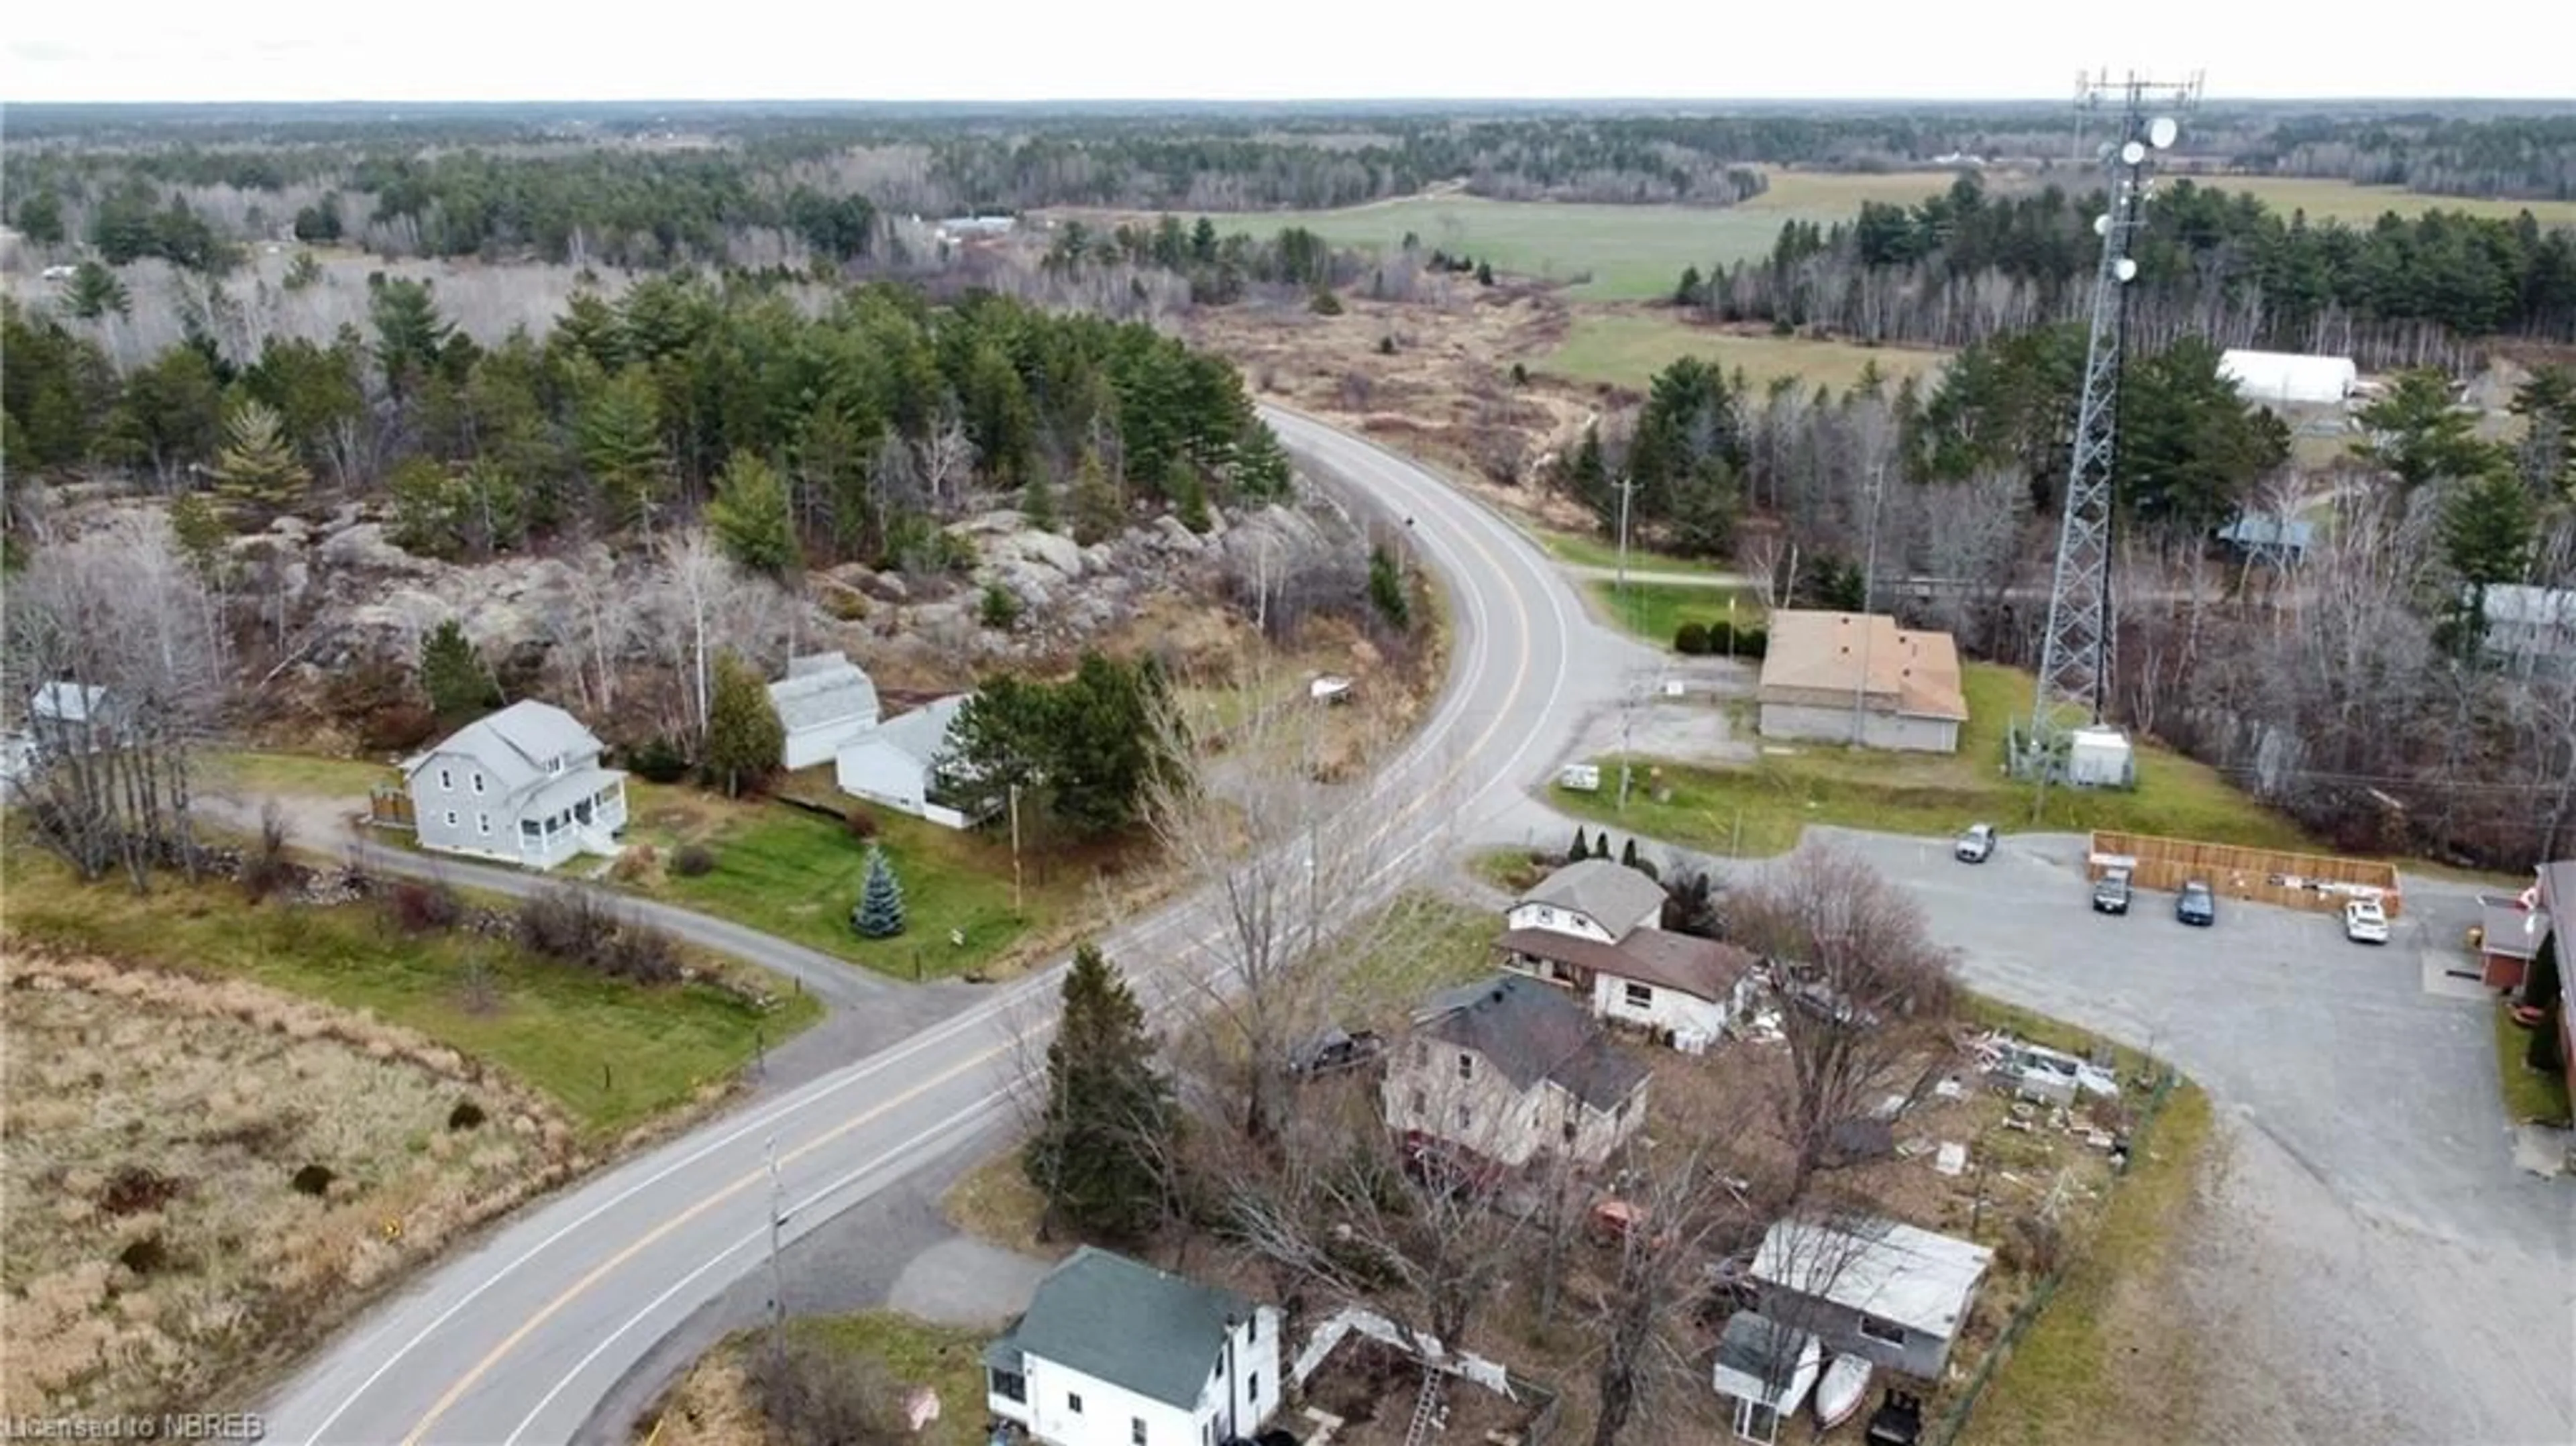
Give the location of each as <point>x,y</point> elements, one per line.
<point>2393,1278</point>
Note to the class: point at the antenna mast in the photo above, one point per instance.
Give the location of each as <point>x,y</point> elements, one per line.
<point>2075,657</point>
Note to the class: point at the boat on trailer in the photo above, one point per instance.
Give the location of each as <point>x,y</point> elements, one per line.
<point>1840,1391</point>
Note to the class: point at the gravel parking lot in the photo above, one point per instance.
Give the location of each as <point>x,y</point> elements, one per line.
<point>2388,1274</point>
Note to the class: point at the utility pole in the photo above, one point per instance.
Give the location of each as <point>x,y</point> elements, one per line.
<point>1015,848</point>
<point>777,1271</point>
<point>1868,584</point>
<point>1626,486</point>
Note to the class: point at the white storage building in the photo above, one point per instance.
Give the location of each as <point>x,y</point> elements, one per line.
<point>2292,379</point>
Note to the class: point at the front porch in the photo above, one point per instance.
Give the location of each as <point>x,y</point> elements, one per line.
<point>581,813</point>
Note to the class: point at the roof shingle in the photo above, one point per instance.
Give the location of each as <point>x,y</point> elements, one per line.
<point>1531,1031</point>
<point>1124,1322</point>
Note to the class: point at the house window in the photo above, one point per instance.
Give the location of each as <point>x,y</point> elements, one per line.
<point>1569,1132</point>
<point>1879,1330</point>
<point>1466,1066</point>
<point>1253,1394</point>
<point>1073,1402</point>
<point>1547,916</point>
<point>483,824</point>
<point>1641,996</point>
<point>528,828</point>
<point>1136,1430</point>
<point>451,818</point>
<point>478,780</point>
<point>1466,1117</point>
<point>1011,1386</point>
<point>446,781</point>
<point>1420,1104</point>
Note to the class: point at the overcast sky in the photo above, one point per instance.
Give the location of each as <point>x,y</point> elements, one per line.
<point>186,50</point>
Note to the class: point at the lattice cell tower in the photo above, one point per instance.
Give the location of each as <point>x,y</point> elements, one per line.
<point>2075,655</point>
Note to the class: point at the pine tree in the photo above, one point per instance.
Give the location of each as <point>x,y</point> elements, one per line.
<point>1189,496</point>
<point>453,675</point>
<point>1097,513</point>
<point>621,444</point>
<point>1628,855</point>
<point>1261,470</point>
<point>750,516</point>
<point>1582,846</point>
<point>200,533</point>
<point>1386,589</point>
<point>1589,478</point>
<point>2488,526</point>
<point>257,469</point>
<point>1037,501</point>
<point>880,911</point>
<point>745,739</point>
<point>95,291</point>
<point>1101,1145</point>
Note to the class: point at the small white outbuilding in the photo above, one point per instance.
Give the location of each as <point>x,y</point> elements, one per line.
<point>2100,757</point>
<point>2280,378</point>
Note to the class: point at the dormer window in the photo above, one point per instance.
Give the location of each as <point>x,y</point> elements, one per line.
<point>1466,1066</point>
<point>446,781</point>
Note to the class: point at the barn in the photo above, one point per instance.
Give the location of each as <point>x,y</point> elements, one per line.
<point>2290,379</point>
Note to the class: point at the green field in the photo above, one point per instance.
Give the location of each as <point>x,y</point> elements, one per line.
<point>797,874</point>
<point>1626,349</point>
<point>612,1054</point>
<point>1583,550</point>
<point>1764,808</point>
<point>1654,611</point>
<point>1636,253</point>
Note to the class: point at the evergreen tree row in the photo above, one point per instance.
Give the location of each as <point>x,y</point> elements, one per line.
<point>833,436</point>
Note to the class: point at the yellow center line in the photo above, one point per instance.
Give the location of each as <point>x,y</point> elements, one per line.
<point>456,1392</point>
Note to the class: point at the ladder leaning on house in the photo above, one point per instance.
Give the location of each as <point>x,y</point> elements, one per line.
<point>1429,1414</point>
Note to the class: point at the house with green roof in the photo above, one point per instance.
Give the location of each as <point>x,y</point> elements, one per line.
<point>1113,1352</point>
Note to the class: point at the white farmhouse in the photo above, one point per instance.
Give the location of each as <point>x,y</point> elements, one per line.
<point>897,763</point>
<point>1113,1352</point>
<point>826,703</point>
<point>523,786</point>
<point>1594,928</point>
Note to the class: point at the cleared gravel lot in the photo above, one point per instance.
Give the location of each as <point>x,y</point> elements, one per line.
<point>2381,1272</point>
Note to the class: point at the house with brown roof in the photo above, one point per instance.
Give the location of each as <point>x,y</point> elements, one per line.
<point>1827,676</point>
<point>1593,928</point>
<point>1509,1068</point>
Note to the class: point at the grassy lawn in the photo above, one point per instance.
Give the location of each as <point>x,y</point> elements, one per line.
<point>797,874</point>
<point>2529,1094</point>
<point>711,1406</point>
<point>295,775</point>
<point>2102,1350</point>
<point>1763,809</point>
<point>1654,611</point>
<point>1579,550</point>
<point>1626,349</point>
<point>612,1054</point>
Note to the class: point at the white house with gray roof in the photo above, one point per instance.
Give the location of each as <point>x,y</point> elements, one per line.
<point>1113,1352</point>
<point>1887,1292</point>
<point>826,703</point>
<point>1590,899</point>
<point>898,762</point>
<point>523,786</point>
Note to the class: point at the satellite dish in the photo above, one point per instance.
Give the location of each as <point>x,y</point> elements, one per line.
<point>2125,268</point>
<point>2161,131</point>
<point>2102,225</point>
<point>2132,153</point>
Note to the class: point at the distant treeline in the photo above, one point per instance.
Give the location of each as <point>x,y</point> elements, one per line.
<point>636,190</point>
<point>1966,265</point>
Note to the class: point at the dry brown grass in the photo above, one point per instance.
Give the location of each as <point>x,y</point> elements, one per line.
<point>710,1406</point>
<point>158,1255</point>
<point>995,1203</point>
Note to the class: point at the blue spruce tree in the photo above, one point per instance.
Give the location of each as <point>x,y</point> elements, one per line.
<point>880,911</point>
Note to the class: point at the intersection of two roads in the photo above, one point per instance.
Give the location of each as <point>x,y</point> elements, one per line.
<point>523,1337</point>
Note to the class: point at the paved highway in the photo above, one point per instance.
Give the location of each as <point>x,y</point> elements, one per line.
<point>519,1338</point>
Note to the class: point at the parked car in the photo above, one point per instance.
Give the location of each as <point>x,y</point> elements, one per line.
<point>2111,892</point>
<point>1976,845</point>
<point>1335,1050</point>
<point>2196,904</point>
<point>2365,922</point>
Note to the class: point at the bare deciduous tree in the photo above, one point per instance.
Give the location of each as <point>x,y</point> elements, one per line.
<point>117,628</point>
<point>1866,992</point>
<point>946,463</point>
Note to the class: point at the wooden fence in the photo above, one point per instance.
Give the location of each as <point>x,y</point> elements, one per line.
<point>2316,882</point>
